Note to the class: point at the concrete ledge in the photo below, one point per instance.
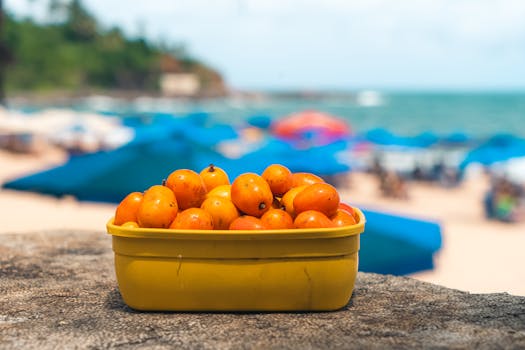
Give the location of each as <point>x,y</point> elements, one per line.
<point>58,290</point>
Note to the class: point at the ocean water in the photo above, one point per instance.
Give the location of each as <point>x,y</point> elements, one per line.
<point>476,114</point>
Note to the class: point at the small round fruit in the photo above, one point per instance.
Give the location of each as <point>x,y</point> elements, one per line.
<point>277,219</point>
<point>279,178</point>
<point>247,222</point>
<point>193,219</point>
<point>343,218</point>
<point>188,188</point>
<point>127,209</point>
<point>130,224</point>
<point>158,208</point>
<point>223,191</point>
<point>222,211</point>
<point>346,207</point>
<point>287,200</point>
<point>312,219</point>
<point>304,179</point>
<point>214,176</point>
<point>322,197</point>
<point>251,194</point>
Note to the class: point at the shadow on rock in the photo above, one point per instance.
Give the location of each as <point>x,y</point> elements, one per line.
<point>114,301</point>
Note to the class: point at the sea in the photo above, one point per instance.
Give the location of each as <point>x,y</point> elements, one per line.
<point>477,114</point>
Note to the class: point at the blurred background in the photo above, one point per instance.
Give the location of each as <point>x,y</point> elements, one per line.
<point>414,110</point>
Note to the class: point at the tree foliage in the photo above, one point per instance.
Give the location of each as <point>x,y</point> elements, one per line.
<point>76,53</point>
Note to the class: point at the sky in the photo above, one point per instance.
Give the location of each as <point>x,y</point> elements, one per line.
<point>334,44</point>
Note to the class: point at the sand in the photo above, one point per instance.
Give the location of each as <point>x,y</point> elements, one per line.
<point>479,256</point>
<point>23,212</point>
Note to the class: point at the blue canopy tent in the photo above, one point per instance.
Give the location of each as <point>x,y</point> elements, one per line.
<point>108,176</point>
<point>456,139</point>
<point>321,160</point>
<point>383,137</point>
<point>397,245</point>
<point>496,149</point>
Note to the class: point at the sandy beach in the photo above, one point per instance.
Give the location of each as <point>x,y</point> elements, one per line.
<point>479,256</point>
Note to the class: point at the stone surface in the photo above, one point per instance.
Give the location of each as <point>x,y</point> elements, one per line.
<point>58,290</point>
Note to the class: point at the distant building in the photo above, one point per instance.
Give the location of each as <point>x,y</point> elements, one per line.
<point>179,84</point>
<point>189,78</point>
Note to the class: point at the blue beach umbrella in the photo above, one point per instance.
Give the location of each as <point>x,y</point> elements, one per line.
<point>496,149</point>
<point>383,137</point>
<point>109,176</point>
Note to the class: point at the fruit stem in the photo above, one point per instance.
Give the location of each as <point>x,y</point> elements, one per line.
<point>262,206</point>
<point>163,182</point>
<point>211,168</point>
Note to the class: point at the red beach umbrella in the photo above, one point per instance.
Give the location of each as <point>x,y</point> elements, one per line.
<point>321,125</point>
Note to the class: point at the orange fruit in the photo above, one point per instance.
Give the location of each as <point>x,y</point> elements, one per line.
<point>287,200</point>
<point>312,219</point>
<point>277,219</point>
<point>188,187</point>
<point>130,224</point>
<point>343,218</point>
<point>214,176</point>
<point>193,219</point>
<point>247,222</point>
<point>346,207</point>
<point>222,211</point>
<point>251,194</point>
<point>279,178</point>
<point>304,179</point>
<point>127,209</point>
<point>223,191</point>
<point>322,197</point>
<point>158,208</point>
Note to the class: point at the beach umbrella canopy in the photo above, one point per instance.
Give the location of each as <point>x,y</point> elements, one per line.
<point>383,137</point>
<point>512,169</point>
<point>108,176</point>
<point>322,160</point>
<point>456,138</point>
<point>496,149</point>
<point>312,125</point>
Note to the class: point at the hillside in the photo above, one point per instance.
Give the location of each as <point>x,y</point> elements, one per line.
<point>76,54</point>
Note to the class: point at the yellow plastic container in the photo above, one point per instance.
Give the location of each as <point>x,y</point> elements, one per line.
<point>197,270</point>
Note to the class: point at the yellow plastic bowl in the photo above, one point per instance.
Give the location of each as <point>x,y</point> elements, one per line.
<point>267,270</point>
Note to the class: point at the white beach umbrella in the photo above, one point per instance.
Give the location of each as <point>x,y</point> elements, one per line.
<point>512,169</point>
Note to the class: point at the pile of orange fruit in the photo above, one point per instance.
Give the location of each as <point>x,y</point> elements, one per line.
<point>276,199</point>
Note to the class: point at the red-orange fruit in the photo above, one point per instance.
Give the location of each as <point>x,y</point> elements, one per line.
<point>188,187</point>
<point>222,210</point>
<point>288,198</point>
<point>214,176</point>
<point>193,219</point>
<point>322,197</point>
<point>247,222</point>
<point>130,224</point>
<point>158,208</point>
<point>223,191</point>
<point>312,219</point>
<point>251,194</point>
<point>305,179</point>
<point>277,219</point>
<point>346,207</point>
<point>279,178</point>
<point>127,209</point>
<point>343,218</point>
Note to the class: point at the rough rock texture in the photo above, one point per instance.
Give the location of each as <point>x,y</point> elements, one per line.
<point>58,290</point>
